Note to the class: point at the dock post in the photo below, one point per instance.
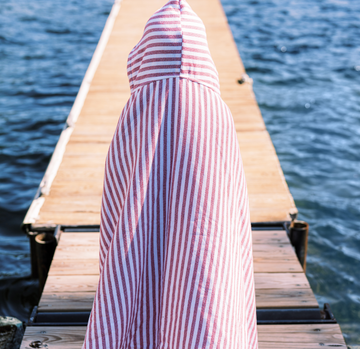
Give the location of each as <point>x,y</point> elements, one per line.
<point>299,232</point>
<point>34,264</point>
<point>45,248</point>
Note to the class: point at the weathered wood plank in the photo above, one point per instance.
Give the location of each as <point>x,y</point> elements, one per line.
<point>74,253</point>
<point>276,250</point>
<point>77,254</point>
<point>76,238</point>
<point>270,337</point>
<point>88,283</point>
<point>270,237</point>
<point>77,265</point>
<point>293,288</point>
<point>66,301</point>
<point>265,299</point>
<point>71,283</point>
<point>300,336</point>
<point>81,247</point>
<point>281,281</point>
<point>74,266</point>
<point>54,337</point>
<point>73,218</point>
<point>271,265</point>
<point>259,237</point>
<point>285,298</point>
<point>68,201</point>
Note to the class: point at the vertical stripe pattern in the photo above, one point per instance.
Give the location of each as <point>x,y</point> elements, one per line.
<point>176,266</point>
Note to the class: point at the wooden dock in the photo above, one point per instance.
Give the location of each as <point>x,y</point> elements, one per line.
<point>70,193</point>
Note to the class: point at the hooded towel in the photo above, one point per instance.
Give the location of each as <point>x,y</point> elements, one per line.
<point>176,268</point>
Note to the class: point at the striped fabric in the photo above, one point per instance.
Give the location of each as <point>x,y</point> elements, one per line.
<point>176,266</point>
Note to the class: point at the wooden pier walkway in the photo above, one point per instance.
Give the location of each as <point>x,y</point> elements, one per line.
<point>70,193</point>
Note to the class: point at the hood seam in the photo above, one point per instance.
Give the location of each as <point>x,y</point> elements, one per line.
<point>182,39</point>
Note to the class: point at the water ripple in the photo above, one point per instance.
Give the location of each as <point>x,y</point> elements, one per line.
<point>45,48</point>
<point>304,58</point>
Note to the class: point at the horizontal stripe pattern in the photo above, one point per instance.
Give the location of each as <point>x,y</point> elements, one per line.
<point>158,54</point>
<point>196,64</point>
<point>173,45</point>
<point>175,240</point>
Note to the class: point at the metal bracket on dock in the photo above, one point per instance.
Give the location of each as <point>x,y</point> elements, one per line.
<point>80,228</point>
<point>264,317</point>
<point>70,318</point>
<point>295,316</point>
<point>281,225</point>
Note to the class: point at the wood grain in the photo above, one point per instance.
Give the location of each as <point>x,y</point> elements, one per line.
<point>285,298</point>
<point>273,290</point>
<point>279,278</point>
<point>270,237</point>
<point>75,194</point>
<point>66,301</point>
<point>270,337</point>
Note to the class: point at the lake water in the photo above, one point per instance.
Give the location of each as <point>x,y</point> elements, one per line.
<point>304,58</point>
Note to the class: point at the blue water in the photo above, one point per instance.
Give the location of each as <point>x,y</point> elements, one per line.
<point>45,48</point>
<point>304,57</point>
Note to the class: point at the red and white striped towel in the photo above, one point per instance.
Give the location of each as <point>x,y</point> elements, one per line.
<point>176,267</point>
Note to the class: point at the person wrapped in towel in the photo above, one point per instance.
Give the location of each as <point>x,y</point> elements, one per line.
<point>176,268</point>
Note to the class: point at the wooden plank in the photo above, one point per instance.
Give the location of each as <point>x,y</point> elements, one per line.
<point>86,246</point>
<point>69,199</point>
<point>66,301</point>
<point>86,174</point>
<point>275,250</point>
<point>279,290</point>
<point>300,336</point>
<point>284,281</point>
<point>270,237</point>
<point>270,337</point>
<point>88,283</point>
<point>259,237</point>
<point>74,266</point>
<point>265,299</point>
<point>71,283</point>
<point>88,264</point>
<point>285,298</point>
<point>70,204</point>
<point>53,218</point>
<point>272,265</point>
<point>77,254</point>
<point>70,337</point>
<point>273,253</point>
<point>92,238</point>
<point>76,238</point>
